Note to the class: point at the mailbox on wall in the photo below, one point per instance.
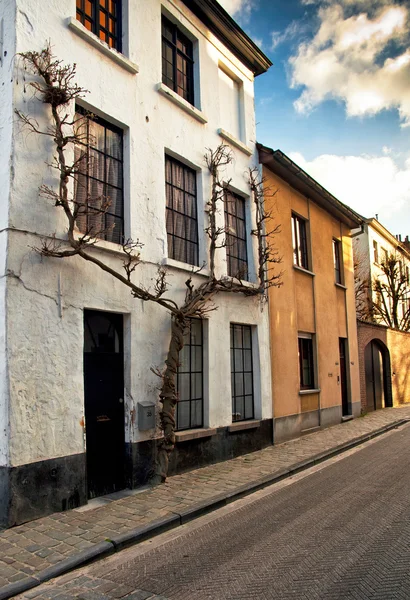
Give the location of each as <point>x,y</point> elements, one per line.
<point>146,415</point>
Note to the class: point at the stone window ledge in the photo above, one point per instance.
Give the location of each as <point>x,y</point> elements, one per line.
<point>302,270</point>
<point>341,286</point>
<point>242,425</point>
<point>121,60</point>
<point>193,269</point>
<point>165,91</point>
<point>306,392</point>
<point>193,434</point>
<point>235,142</point>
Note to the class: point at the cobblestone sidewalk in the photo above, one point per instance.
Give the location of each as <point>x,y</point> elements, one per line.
<point>50,546</point>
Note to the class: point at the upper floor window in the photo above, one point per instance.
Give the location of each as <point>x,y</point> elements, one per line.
<point>189,410</point>
<point>102,17</point>
<point>177,61</point>
<point>235,228</point>
<point>385,256</point>
<point>230,103</point>
<point>98,186</point>
<point>375,252</point>
<point>337,260</point>
<point>181,212</point>
<point>300,253</point>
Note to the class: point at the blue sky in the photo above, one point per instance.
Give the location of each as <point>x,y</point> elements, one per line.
<point>337,99</point>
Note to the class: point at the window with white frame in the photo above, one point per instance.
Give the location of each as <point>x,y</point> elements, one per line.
<point>337,261</point>
<point>306,361</point>
<point>299,239</point>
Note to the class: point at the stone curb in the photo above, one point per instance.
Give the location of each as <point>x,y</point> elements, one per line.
<point>134,536</point>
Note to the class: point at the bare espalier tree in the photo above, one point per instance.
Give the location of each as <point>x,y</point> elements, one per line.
<point>54,84</point>
<point>385,299</point>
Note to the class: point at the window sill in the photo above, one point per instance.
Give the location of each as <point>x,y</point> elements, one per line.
<point>340,285</point>
<point>306,392</point>
<point>235,142</point>
<point>302,270</point>
<point>193,434</point>
<point>243,425</point>
<point>121,60</point>
<point>165,91</point>
<point>249,284</point>
<point>181,266</point>
<point>104,245</point>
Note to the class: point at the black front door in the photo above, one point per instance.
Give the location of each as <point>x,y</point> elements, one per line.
<point>104,404</point>
<point>343,377</point>
<point>374,376</point>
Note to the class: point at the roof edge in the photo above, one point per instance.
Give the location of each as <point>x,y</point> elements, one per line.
<point>228,31</point>
<point>284,167</point>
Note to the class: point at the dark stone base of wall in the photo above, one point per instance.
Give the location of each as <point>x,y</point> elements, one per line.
<point>293,426</point>
<point>37,489</point>
<point>222,446</point>
<point>195,453</point>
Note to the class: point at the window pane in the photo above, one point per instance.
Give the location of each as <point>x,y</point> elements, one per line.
<point>113,172</point>
<point>238,360</point>
<point>247,337</point>
<point>196,385</point>
<point>248,407</point>
<point>196,413</point>
<point>248,383</point>
<point>238,409</point>
<point>247,355</point>
<point>114,201</point>
<point>239,391</point>
<point>113,144</point>
<point>184,386</point>
<point>183,415</point>
<point>196,359</point>
<point>184,357</point>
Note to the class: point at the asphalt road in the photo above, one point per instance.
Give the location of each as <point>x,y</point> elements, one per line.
<point>340,532</point>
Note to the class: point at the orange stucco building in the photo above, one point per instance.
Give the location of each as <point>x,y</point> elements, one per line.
<point>315,367</point>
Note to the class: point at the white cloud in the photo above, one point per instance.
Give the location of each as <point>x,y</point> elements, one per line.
<point>344,61</point>
<point>240,9</point>
<point>291,31</point>
<point>369,184</point>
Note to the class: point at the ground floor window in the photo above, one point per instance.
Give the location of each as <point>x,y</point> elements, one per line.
<point>306,362</point>
<point>189,413</point>
<point>241,372</point>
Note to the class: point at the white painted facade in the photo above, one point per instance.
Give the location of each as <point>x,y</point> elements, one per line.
<point>373,244</point>
<point>42,299</point>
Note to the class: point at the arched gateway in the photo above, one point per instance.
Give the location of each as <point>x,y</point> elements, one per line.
<point>378,375</point>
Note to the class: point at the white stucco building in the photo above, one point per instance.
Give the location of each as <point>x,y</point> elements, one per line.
<point>172,78</point>
<point>374,245</point>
